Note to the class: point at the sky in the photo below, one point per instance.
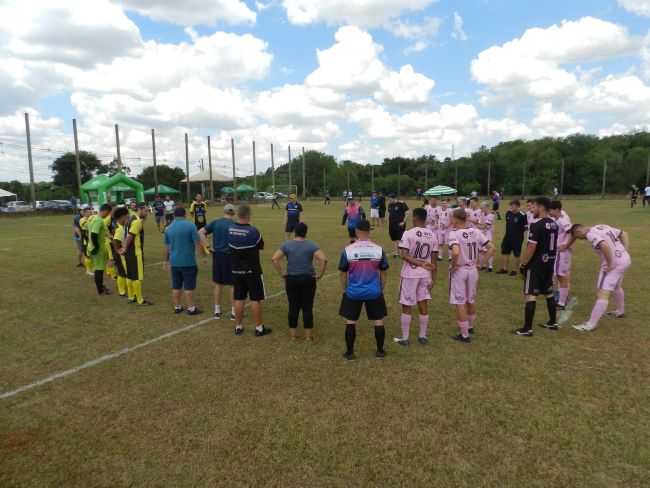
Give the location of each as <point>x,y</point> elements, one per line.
<point>360,79</point>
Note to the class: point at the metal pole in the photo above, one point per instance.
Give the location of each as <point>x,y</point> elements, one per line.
<point>489,176</point>
<point>272,171</point>
<point>210,169</point>
<point>155,167</point>
<point>562,180</point>
<point>453,160</point>
<point>202,183</point>
<point>187,168</point>
<point>234,175</point>
<point>29,160</point>
<point>604,178</point>
<point>304,181</point>
<point>76,154</point>
<point>348,180</point>
<point>289,169</point>
<point>523,183</point>
<point>254,168</point>
<point>117,144</point>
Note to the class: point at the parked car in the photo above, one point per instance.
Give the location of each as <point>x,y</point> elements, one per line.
<point>61,205</point>
<point>16,206</point>
<point>45,205</point>
<point>280,196</point>
<point>263,195</point>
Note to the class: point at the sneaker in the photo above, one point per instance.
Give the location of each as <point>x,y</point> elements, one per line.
<point>178,310</point>
<point>263,332</point>
<point>349,356</point>
<point>107,291</point>
<point>401,342</point>
<point>583,327</point>
<point>439,259</point>
<point>423,340</point>
<point>460,338</point>
<point>547,325</point>
<point>217,315</point>
<point>615,314</point>
<point>512,273</point>
<point>239,331</point>
<point>80,265</point>
<point>502,271</point>
<point>489,270</point>
<point>394,255</point>
<point>560,307</point>
<point>471,330</point>
<point>380,354</point>
<point>131,300</point>
<point>232,316</point>
<point>196,311</point>
<point>523,332</point>
<point>90,273</point>
<point>145,303</point>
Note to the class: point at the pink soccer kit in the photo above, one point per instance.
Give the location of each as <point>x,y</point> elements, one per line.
<point>420,243</point>
<point>563,259</point>
<point>433,214</point>
<point>463,279</point>
<point>609,280</point>
<point>473,216</point>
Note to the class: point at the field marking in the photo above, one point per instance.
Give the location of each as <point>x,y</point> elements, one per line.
<point>117,354</point>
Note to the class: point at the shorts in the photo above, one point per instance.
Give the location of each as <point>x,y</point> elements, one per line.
<point>351,309</point>
<point>396,233</point>
<point>184,277</point>
<point>159,218</point>
<point>463,282</point>
<point>249,285</point>
<point>563,263</point>
<point>120,266</point>
<point>539,279</point>
<point>511,246</point>
<point>613,279</point>
<point>200,224</point>
<point>442,237</point>
<point>382,212</point>
<point>374,213</point>
<point>495,207</point>
<point>134,266</point>
<point>352,232</point>
<point>291,225</point>
<point>414,290</point>
<point>221,269</point>
<point>80,245</point>
<point>169,218</point>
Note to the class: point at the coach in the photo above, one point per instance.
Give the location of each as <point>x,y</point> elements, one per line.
<point>398,213</point>
<point>181,242</point>
<point>516,225</point>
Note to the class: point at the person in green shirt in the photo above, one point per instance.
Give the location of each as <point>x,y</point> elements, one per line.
<point>97,247</point>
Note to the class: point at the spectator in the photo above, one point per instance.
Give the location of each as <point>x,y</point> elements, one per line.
<point>169,205</point>
<point>159,212</point>
<point>398,213</point>
<point>75,203</point>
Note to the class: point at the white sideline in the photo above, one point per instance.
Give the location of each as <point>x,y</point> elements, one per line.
<point>116,354</point>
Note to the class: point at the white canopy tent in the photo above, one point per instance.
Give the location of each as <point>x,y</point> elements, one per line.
<point>7,194</point>
<point>204,177</point>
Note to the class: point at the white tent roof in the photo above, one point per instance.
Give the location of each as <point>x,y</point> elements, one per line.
<point>5,193</point>
<point>205,176</point>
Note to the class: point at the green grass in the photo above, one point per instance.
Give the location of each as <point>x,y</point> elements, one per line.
<point>205,408</point>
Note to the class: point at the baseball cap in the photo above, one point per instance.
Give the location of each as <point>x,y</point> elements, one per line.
<point>83,207</point>
<point>392,195</point>
<point>229,208</point>
<point>363,225</point>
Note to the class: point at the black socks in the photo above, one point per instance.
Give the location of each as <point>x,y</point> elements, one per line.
<point>350,336</point>
<point>552,310</point>
<point>99,280</point>
<point>529,315</point>
<point>380,336</point>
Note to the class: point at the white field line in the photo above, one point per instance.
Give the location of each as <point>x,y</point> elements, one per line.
<point>117,354</point>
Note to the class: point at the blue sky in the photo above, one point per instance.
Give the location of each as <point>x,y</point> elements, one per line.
<point>393,77</point>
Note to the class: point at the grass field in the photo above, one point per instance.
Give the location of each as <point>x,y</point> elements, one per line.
<point>206,408</point>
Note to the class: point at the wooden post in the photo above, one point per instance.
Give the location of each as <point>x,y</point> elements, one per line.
<point>349,181</point>
<point>155,167</point>
<point>289,169</point>
<point>187,168</point>
<point>426,176</point>
<point>399,179</point>
<point>304,181</point>
<point>562,180</point>
<point>210,169</point>
<point>647,173</point>
<point>234,175</point>
<point>523,183</point>
<point>76,154</point>
<point>255,168</point>
<point>489,176</point>
<point>372,177</point>
<point>30,161</point>
<point>324,183</point>
<point>117,144</point>
<point>604,178</point>
<point>272,171</point>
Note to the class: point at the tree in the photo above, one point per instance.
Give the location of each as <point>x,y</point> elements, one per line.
<point>65,169</point>
<point>112,168</point>
<point>166,176</point>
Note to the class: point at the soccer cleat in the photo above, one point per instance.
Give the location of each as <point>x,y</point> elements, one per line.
<point>232,316</point>
<point>263,332</point>
<point>380,354</point>
<point>131,300</point>
<point>80,265</point>
<point>145,303</point>
<point>460,338</point>
<point>394,255</point>
<point>512,273</point>
<point>547,325</point>
<point>401,341</point>
<point>423,340</point>
<point>178,310</point>
<point>107,291</point>
<point>523,332</point>
<point>489,270</point>
<point>560,307</point>
<point>239,331</point>
<point>90,273</point>
<point>584,327</point>
<point>217,315</point>
<point>439,259</point>
<point>471,330</point>
<point>196,311</point>
<point>502,271</point>
<point>349,356</point>
<point>615,314</point>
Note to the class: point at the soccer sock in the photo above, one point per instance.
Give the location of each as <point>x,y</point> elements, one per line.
<point>600,307</point>
<point>406,325</point>
<point>129,289</point>
<point>232,311</point>
<point>121,285</point>
<point>552,310</point>
<point>259,328</point>
<point>89,264</point>
<point>217,309</point>
<point>110,271</point>
<point>424,325</point>
<point>619,296</point>
<point>464,328</point>
<point>380,336</point>
<point>491,262</point>
<point>470,320</point>
<point>137,290</point>
<point>564,293</point>
<point>191,309</point>
<point>350,336</point>
<point>529,315</point>
<point>99,280</point>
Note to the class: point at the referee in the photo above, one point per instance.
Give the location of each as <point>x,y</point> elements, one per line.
<point>538,266</point>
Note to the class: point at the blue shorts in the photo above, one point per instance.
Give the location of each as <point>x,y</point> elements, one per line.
<point>221,269</point>
<point>184,277</point>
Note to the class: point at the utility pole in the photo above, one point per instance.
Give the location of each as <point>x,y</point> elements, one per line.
<point>155,168</point>
<point>453,160</point>
<point>187,168</point>
<point>29,160</point>
<point>117,144</point>
<point>349,181</point>
<point>202,183</point>
<point>210,169</point>
<point>254,168</point>
<point>304,182</point>
<point>234,175</point>
<point>399,179</point>
<point>426,176</point>
<point>289,169</point>
<point>76,154</point>
<point>562,179</point>
<point>324,183</point>
<point>272,170</point>
<point>604,178</point>
<point>489,176</point>
<point>372,177</point>
<point>523,183</point>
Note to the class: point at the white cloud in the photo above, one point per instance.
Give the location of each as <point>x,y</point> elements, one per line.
<point>193,12</point>
<point>458,33</point>
<point>551,123</point>
<point>404,89</point>
<point>365,13</point>
<point>297,104</point>
<point>421,33</point>
<point>625,95</point>
<point>638,7</point>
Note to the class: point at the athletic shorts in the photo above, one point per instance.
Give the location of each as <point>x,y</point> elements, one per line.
<point>382,212</point>
<point>169,218</point>
<point>80,245</point>
<point>611,280</point>
<point>442,237</point>
<point>511,246</point>
<point>414,290</point>
<point>539,279</point>
<point>221,268</point>
<point>463,282</point>
<point>120,266</point>
<point>134,266</point>
<point>351,309</point>
<point>200,225</point>
<point>184,277</point>
<point>374,213</point>
<point>159,218</point>
<point>352,232</point>
<point>396,233</point>
<point>495,207</point>
<point>563,263</point>
<point>249,285</point>
<point>291,225</point>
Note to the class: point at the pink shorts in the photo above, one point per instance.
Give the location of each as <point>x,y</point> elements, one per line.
<point>611,280</point>
<point>414,290</point>
<point>462,285</point>
<point>563,263</point>
<point>442,237</point>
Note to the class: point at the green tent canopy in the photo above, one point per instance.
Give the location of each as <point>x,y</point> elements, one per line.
<point>227,189</point>
<point>243,188</point>
<point>103,188</point>
<point>437,191</point>
<point>162,190</point>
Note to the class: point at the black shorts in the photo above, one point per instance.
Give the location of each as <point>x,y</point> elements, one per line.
<point>120,265</point>
<point>495,206</point>
<point>249,285</point>
<point>382,212</point>
<point>159,218</point>
<point>539,279</point>
<point>184,277</point>
<point>511,246</point>
<point>291,225</point>
<point>134,266</point>
<point>352,232</point>
<point>199,224</point>
<point>221,268</point>
<point>396,233</point>
<point>351,309</point>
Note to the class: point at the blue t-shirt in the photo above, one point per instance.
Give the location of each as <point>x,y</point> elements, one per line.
<point>362,261</point>
<point>159,207</point>
<point>374,201</point>
<point>300,255</point>
<point>181,237</point>
<point>293,211</point>
<point>245,243</point>
<point>353,215</point>
<point>219,229</point>
<point>75,225</point>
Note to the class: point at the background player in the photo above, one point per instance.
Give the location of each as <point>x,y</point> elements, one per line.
<point>133,252</point>
<point>352,214</point>
<point>398,213</point>
<point>474,212</point>
<point>374,209</point>
<point>292,216</point>
<point>445,226</point>
<point>199,211</point>
<point>121,214</point>
<point>170,205</point>
<point>513,239</point>
<point>159,212</point>
<point>97,247</point>
<point>563,258</point>
<point>486,226</point>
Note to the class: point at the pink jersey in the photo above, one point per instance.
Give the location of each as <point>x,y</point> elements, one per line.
<point>474,216</point>
<point>420,243</point>
<point>489,221</point>
<point>469,242</point>
<point>445,218</point>
<point>530,217</point>
<point>564,229</point>
<point>433,214</point>
<point>612,237</point>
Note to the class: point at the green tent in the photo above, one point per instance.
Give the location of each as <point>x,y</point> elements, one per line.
<point>162,190</point>
<point>227,189</point>
<point>244,188</point>
<point>437,191</point>
<point>102,189</point>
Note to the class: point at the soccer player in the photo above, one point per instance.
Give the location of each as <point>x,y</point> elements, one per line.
<point>563,258</point>
<point>133,209</point>
<point>474,212</point>
<point>530,214</point>
<point>121,214</point>
<point>352,214</point>
<point>364,270</point>
<point>274,201</point>
<point>538,266</point>
<point>486,226</point>
<point>445,224</point>
<point>76,236</point>
<point>245,243</point>
<point>328,198</point>
<point>398,213</point>
<point>86,213</point>
<point>110,226</point>
<point>97,247</point>
<point>612,246</point>
<point>496,201</point>
<point>419,250</point>
<point>292,216</point>
<point>159,211</point>
<point>221,262</point>
<point>374,209</point>
<point>133,252</point>
<point>198,211</point>
<point>169,205</point>
<point>382,209</point>
<point>514,238</point>
<point>433,213</point>
<point>462,204</point>
<point>464,244</point>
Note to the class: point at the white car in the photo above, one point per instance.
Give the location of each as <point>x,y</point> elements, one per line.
<point>263,195</point>
<point>16,206</point>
